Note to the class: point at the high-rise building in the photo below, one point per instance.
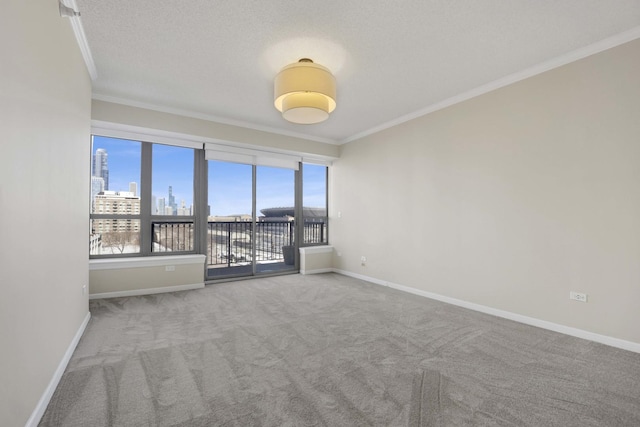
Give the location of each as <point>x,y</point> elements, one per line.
<point>183,210</point>
<point>100,167</point>
<point>172,202</point>
<point>161,205</point>
<point>133,188</point>
<point>154,205</point>
<point>97,186</point>
<point>112,202</point>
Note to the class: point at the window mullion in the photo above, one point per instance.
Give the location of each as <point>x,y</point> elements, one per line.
<point>298,213</point>
<point>326,204</point>
<point>200,202</point>
<point>145,200</point>
<point>254,217</point>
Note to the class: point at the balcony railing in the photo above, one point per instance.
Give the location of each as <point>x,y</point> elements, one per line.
<point>231,243</point>
<point>172,236</point>
<point>314,231</point>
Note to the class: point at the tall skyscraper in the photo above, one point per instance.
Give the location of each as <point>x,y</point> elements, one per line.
<point>100,167</point>
<point>133,188</point>
<point>172,202</point>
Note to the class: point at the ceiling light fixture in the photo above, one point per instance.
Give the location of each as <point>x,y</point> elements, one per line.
<point>305,92</point>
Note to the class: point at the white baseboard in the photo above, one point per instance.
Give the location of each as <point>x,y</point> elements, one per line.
<point>149,291</point>
<point>38,412</point>
<point>317,271</point>
<point>532,321</point>
<point>360,276</point>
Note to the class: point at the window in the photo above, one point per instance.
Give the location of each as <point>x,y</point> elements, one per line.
<point>172,206</point>
<point>139,209</point>
<point>172,183</point>
<point>314,204</point>
<point>115,201</point>
<point>150,198</point>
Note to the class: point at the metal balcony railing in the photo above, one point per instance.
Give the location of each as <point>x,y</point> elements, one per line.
<point>314,231</point>
<point>172,236</point>
<point>231,243</point>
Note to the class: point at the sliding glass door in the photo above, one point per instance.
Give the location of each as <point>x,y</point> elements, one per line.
<point>230,248</point>
<point>275,237</point>
<point>250,226</point>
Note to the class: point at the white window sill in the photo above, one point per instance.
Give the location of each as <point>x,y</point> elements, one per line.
<point>322,249</point>
<point>138,262</point>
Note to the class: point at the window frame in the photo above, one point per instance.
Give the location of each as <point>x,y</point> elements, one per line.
<point>301,241</point>
<point>150,136</point>
<point>146,218</point>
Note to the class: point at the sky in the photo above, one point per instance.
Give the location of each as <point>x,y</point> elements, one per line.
<point>229,191</point>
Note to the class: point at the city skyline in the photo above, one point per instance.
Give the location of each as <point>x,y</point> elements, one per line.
<point>229,191</point>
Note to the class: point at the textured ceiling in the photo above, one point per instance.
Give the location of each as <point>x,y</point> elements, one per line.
<point>390,58</point>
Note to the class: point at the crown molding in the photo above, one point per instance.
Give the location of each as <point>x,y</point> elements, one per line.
<point>119,130</point>
<point>210,118</point>
<point>556,62</point>
<point>81,39</point>
<point>545,66</point>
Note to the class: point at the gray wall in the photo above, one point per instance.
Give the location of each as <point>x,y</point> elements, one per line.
<point>509,200</point>
<point>45,101</point>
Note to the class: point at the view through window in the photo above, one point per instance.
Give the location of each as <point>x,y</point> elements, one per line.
<point>115,196</point>
<point>172,206</point>
<point>143,201</point>
<point>314,204</point>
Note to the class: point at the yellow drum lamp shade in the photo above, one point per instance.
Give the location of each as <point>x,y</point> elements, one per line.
<point>305,92</point>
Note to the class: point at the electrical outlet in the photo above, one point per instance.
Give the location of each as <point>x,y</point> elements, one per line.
<point>577,296</point>
<point>363,260</point>
<point>170,268</point>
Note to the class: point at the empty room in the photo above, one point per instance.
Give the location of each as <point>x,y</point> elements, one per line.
<point>413,213</point>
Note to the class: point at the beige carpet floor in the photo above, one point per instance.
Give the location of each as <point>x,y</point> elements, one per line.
<point>329,350</point>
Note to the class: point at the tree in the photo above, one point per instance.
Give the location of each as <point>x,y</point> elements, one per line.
<point>120,239</point>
